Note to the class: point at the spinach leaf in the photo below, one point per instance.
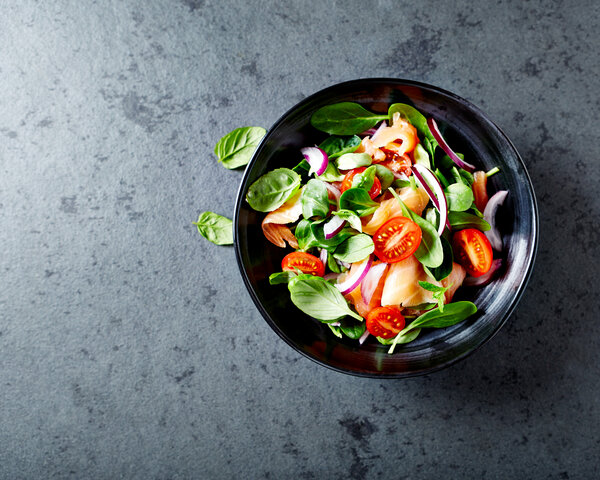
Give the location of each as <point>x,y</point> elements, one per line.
<point>337,331</point>
<point>314,199</point>
<point>237,147</point>
<point>441,178</point>
<point>460,220</point>
<point>319,299</point>
<point>441,272</point>
<point>365,179</point>
<point>345,118</point>
<point>302,168</point>
<point>401,183</point>
<point>385,175</point>
<point>352,218</point>
<point>281,277</point>
<point>466,176</point>
<point>358,200</point>
<point>271,190</point>
<point>403,337</point>
<point>348,161</point>
<point>352,329</point>
<point>452,314</point>
<point>415,118</point>
<point>355,248</point>
<point>430,147</point>
<point>421,156</point>
<point>459,196</point>
<point>332,264</point>
<point>331,243</point>
<point>215,228</point>
<point>304,235</point>
<point>335,146</point>
<point>438,293</point>
<point>331,174</point>
<point>430,252</point>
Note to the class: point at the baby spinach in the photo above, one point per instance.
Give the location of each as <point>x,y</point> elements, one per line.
<point>355,249</point>
<point>385,175</point>
<point>314,199</point>
<point>459,196</point>
<point>237,147</point>
<point>304,235</point>
<point>331,174</point>
<point>452,314</point>
<point>215,228</point>
<point>331,243</point>
<point>332,264</point>
<point>281,277</point>
<point>365,179</point>
<point>441,272</point>
<point>438,293</point>
<point>466,176</point>
<point>319,299</point>
<point>460,220</point>
<point>415,118</point>
<point>440,176</point>
<point>345,118</point>
<point>348,161</point>
<point>421,156</point>
<point>359,201</point>
<point>352,218</point>
<point>271,190</point>
<point>302,168</point>
<point>335,146</point>
<point>337,331</point>
<point>430,252</point>
<point>403,337</point>
<point>352,328</point>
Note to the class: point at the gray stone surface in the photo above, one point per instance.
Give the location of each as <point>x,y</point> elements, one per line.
<point>129,347</point>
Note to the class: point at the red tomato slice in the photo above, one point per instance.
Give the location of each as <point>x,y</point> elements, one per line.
<point>397,239</point>
<point>305,262</point>
<point>473,251</point>
<point>399,164</point>
<point>347,183</point>
<point>385,322</point>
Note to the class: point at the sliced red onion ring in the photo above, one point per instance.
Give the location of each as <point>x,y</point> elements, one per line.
<point>435,131</point>
<point>434,189</point>
<point>354,280</point>
<point>334,191</point>
<point>323,256</point>
<point>363,337</point>
<point>379,129</point>
<point>370,282</point>
<point>489,215</point>
<point>333,226</point>
<point>484,279</point>
<point>316,158</point>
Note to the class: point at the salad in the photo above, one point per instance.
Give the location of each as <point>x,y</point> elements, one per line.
<point>385,222</point>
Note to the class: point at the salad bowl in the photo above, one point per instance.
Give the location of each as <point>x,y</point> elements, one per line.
<point>473,134</point>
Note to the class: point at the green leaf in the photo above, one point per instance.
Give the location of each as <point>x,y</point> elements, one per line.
<point>337,331</point>
<point>460,220</point>
<point>359,201</point>
<point>314,199</point>
<point>438,293</point>
<point>403,337</point>
<point>310,235</point>
<point>421,156</point>
<point>466,176</point>
<point>352,328</point>
<point>332,264</point>
<point>440,176</point>
<point>352,218</point>
<point>430,252</point>
<point>346,118</point>
<point>348,161</point>
<point>281,277</point>
<point>215,228</point>
<point>453,313</point>
<point>355,248</point>
<point>237,147</point>
<point>365,179</point>
<point>441,272</point>
<point>335,146</point>
<point>302,168</point>
<point>459,196</point>
<point>331,174</point>
<point>319,299</point>
<point>430,147</point>
<point>304,235</point>
<point>271,190</point>
<point>385,175</point>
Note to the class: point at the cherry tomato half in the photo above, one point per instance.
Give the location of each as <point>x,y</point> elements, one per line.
<point>399,164</point>
<point>385,322</point>
<point>347,183</point>
<point>397,239</point>
<point>473,251</point>
<point>305,262</point>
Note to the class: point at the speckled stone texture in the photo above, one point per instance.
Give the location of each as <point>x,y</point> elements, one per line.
<point>129,347</point>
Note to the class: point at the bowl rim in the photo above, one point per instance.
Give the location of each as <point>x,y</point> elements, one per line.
<point>404,82</point>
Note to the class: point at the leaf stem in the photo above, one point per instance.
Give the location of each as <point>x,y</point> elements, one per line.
<point>492,172</point>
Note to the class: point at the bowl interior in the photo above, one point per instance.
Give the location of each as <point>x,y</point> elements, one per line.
<point>469,131</point>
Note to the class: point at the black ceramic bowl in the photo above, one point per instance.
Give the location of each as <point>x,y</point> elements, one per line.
<point>469,131</point>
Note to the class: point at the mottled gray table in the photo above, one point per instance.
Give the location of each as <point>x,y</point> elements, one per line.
<point>129,347</point>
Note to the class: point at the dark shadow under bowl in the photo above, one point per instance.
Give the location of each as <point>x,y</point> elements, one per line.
<point>469,131</point>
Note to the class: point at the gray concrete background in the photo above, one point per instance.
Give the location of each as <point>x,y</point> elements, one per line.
<point>129,347</point>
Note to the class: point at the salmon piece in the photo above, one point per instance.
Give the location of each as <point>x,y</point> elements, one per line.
<point>456,278</point>
<point>274,224</point>
<point>366,146</point>
<point>480,190</point>
<point>402,284</point>
<point>399,130</point>
<point>416,200</point>
<point>355,296</point>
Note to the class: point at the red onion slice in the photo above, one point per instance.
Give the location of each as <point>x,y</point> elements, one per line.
<point>316,158</point>
<point>334,191</point>
<point>323,256</point>
<point>370,282</point>
<point>435,131</point>
<point>331,276</point>
<point>486,278</point>
<point>489,215</point>
<point>333,226</point>
<point>363,337</point>
<point>434,189</point>
<point>354,280</point>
